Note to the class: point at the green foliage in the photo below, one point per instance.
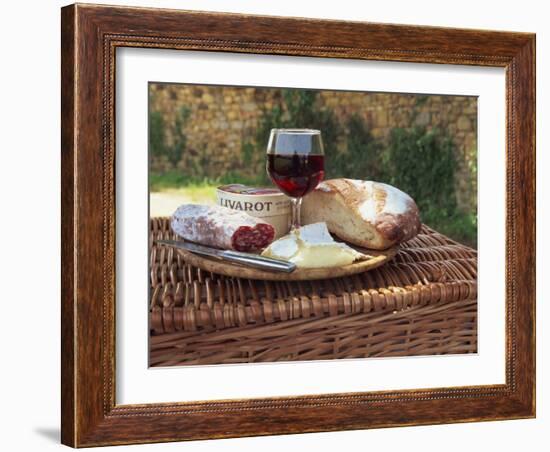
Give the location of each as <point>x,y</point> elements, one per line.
<point>180,139</point>
<point>422,163</point>
<point>460,226</point>
<point>362,156</point>
<point>156,134</point>
<point>158,131</point>
<point>421,100</point>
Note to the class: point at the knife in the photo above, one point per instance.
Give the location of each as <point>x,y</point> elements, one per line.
<point>237,257</point>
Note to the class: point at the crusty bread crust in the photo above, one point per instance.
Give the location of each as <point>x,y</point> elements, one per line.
<point>365,213</point>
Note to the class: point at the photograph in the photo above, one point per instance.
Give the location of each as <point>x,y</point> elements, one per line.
<point>284,222</point>
<point>293,224</point>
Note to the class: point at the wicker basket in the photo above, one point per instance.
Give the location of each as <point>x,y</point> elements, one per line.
<point>424,302</point>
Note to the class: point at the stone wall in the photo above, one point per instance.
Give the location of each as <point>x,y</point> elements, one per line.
<point>222,118</point>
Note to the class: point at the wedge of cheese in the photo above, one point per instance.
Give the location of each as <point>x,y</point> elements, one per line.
<point>312,246</point>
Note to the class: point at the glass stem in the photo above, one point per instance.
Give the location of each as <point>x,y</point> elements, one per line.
<point>296,205</point>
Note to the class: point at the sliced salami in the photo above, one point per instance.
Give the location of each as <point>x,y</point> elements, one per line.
<point>221,227</point>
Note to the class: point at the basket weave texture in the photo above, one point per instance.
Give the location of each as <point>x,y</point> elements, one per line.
<point>423,302</point>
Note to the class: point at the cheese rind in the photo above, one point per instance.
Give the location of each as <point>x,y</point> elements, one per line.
<point>312,246</point>
<point>285,247</point>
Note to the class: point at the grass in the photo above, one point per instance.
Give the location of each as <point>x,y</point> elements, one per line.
<point>176,180</point>
<point>461,227</point>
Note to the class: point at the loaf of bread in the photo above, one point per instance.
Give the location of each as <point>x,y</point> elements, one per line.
<point>366,213</point>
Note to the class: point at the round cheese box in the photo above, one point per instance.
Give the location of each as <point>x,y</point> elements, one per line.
<point>269,204</point>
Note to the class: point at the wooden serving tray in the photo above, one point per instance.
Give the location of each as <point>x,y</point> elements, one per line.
<point>300,274</point>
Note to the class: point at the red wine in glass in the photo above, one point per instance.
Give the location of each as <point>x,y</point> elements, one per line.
<point>296,164</point>
<point>296,175</point>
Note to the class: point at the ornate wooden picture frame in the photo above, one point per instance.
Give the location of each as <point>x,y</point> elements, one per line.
<point>90,37</point>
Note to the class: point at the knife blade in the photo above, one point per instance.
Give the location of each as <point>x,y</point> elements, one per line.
<point>238,257</point>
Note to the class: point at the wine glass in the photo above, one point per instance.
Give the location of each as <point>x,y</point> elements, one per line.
<point>296,164</point>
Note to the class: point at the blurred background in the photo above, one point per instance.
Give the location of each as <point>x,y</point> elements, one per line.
<point>426,145</point>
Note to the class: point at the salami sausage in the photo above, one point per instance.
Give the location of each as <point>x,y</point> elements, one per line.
<point>221,227</point>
